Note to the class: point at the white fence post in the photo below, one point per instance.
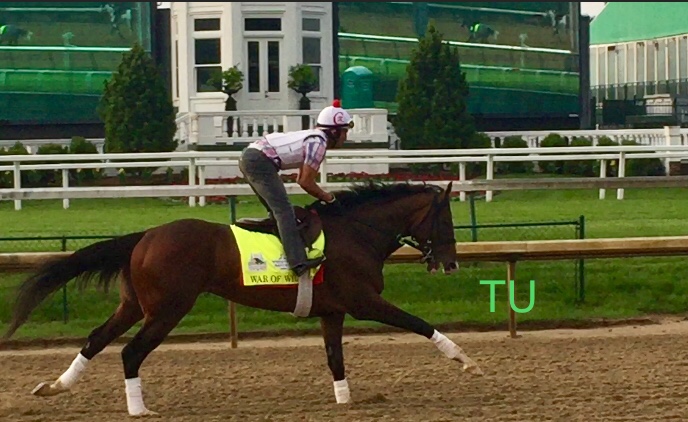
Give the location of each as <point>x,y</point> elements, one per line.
<point>201,182</point>
<point>490,176</point>
<point>462,178</point>
<point>603,174</point>
<point>192,179</point>
<point>621,174</point>
<point>65,184</point>
<point>17,184</point>
<point>672,136</point>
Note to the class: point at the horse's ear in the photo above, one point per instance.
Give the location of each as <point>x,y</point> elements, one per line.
<point>448,191</point>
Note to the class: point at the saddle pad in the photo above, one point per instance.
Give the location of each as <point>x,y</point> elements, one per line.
<point>263,262</point>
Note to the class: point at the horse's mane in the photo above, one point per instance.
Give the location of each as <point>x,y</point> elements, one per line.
<point>369,191</point>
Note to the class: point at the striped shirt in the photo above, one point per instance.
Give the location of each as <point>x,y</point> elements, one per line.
<point>314,149</point>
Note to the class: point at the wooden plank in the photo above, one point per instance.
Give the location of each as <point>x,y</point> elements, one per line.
<point>538,250</point>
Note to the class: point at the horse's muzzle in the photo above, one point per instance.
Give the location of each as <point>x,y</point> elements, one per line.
<point>447,268</point>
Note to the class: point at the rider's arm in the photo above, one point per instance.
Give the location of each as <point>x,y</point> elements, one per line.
<point>315,150</point>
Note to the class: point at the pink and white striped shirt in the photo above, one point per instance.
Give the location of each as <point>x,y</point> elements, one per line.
<point>314,148</point>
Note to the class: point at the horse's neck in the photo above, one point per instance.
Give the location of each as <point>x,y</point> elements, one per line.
<point>396,221</point>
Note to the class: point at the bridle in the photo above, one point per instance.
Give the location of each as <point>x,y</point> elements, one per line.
<point>423,245</point>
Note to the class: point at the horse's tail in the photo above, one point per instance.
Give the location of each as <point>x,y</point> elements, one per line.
<point>103,260</point>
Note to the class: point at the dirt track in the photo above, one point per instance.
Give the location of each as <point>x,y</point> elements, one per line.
<point>611,374</point>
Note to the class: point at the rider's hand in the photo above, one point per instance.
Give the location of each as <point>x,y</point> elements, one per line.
<point>333,204</point>
<point>331,201</point>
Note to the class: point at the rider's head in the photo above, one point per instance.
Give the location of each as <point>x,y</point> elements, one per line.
<point>335,122</point>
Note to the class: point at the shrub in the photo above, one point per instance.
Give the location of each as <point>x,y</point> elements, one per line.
<point>136,108</point>
<point>48,177</point>
<point>552,167</point>
<point>584,168</point>
<point>612,165</point>
<point>432,98</point>
<point>79,145</point>
<point>643,166</point>
<point>521,167</point>
<point>27,176</point>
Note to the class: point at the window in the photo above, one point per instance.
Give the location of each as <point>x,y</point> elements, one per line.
<point>211,24</point>
<point>207,52</point>
<point>263,60</point>
<point>310,24</point>
<point>253,66</point>
<point>311,56</point>
<point>208,62</point>
<point>262,24</point>
<point>311,47</point>
<point>273,66</point>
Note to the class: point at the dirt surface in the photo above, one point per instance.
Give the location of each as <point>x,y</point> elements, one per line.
<point>634,373</point>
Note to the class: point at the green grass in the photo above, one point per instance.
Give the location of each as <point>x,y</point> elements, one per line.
<point>615,287</point>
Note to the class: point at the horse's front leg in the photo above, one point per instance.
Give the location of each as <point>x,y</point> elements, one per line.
<point>332,330</point>
<point>373,307</point>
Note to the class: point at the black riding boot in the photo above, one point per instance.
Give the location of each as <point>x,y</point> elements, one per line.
<point>307,265</point>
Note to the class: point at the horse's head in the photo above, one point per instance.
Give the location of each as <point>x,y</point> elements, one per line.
<point>433,230</point>
<point>399,212</point>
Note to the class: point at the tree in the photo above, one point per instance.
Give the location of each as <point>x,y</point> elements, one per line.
<point>136,107</point>
<point>432,98</point>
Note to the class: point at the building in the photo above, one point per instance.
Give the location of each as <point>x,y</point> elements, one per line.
<point>639,63</point>
<point>262,39</point>
<point>54,58</point>
<point>521,60</point>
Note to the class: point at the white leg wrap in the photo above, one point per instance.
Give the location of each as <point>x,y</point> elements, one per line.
<point>341,391</point>
<point>72,375</point>
<point>446,346</point>
<point>135,404</point>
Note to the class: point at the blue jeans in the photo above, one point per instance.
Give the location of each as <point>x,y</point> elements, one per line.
<point>262,175</point>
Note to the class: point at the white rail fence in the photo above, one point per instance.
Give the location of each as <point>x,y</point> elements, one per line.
<point>370,125</point>
<point>198,162</point>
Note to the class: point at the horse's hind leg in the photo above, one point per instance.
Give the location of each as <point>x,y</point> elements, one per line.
<point>127,314</point>
<point>332,329</point>
<point>156,326</point>
<point>375,308</point>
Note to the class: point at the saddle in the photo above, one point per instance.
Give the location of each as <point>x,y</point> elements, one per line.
<point>307,222</point>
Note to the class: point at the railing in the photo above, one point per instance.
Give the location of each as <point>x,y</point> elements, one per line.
<point>196,163</point>
<point>484,54</point>
<point>185,133</point>
<point>510,252</point>
<point>243,127</point>
<point>650,137</point>
<point>364,37</point>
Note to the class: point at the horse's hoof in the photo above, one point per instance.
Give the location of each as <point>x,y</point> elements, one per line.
<point>147,414</point>
<point>473,368</point>
<point>46,390</point>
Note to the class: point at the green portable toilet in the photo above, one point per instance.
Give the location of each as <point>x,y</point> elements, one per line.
<point>357,87</point>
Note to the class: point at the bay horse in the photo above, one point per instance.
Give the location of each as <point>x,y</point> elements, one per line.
<point>165,268</point>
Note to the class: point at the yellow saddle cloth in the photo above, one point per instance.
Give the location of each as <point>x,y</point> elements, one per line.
<point>263,262</point>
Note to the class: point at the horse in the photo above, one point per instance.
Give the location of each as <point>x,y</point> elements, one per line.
<point>11,34</point>
<point>165,268</point>
<point>480,32</point>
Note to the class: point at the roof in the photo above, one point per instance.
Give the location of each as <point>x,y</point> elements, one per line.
<point>627,21</point>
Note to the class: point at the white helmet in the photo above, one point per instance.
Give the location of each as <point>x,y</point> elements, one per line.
<point>335,116</point>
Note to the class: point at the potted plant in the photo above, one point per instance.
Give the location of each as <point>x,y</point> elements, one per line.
<point>302,79</point>
<point>228,82</point>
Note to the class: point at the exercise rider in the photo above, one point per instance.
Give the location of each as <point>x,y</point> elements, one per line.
<point>305,150</point>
